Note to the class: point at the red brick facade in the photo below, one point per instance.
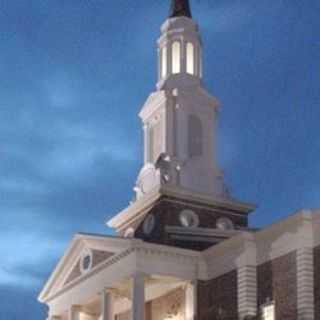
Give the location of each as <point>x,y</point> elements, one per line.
<point>217,298</point>
<point>277,281</point>
<point>317,282</point>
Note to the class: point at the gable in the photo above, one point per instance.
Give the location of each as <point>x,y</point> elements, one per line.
<point>85,253</point>
<point>97,258</point>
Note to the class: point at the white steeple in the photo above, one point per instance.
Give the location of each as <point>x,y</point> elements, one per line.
<point>179,118</point>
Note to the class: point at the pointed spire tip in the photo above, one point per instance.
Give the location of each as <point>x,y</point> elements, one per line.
<point>180,8</point>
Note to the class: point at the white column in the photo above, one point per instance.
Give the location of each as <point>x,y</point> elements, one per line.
<point>138,297</point>
<point>191,300</point>
<point>74,313</point>
<point>305,283</point>
<point>247,291</point>
<point>106,305</point>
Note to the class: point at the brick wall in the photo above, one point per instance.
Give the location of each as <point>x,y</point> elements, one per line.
<point>217,298</point>
<point>317,282</point>
<point>277,280</point>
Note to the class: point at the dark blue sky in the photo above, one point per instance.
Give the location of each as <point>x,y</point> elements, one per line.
<point>75,73</point>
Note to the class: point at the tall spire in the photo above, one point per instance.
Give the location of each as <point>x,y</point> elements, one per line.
<point>180,8</point>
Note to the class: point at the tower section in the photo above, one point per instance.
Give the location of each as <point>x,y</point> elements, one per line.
<point>180,198</point>
<point>179,119</point>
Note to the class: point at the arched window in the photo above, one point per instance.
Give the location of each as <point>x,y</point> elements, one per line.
<point>176,54</point>
<point>195,136</point>
<point>190,58</point>
<point>163,62</point>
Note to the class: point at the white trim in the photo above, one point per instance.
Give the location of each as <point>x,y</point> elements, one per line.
<point>209,232</point>
<point>305,283</point>
<point>247,291</point>
<point>135,210</point>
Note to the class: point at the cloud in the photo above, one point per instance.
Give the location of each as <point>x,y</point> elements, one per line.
<point>25,254</point>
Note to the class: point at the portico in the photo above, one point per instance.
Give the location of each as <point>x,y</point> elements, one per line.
<point>125,285</point>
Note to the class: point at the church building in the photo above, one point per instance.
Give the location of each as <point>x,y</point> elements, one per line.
<point>183,248</point>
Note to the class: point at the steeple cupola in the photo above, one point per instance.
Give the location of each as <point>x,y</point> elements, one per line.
<point>179,49</point>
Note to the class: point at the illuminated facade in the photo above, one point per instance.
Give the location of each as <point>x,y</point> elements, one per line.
<point>184,250</point>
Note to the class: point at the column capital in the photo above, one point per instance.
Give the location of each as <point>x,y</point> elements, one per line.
<point>107,290</point>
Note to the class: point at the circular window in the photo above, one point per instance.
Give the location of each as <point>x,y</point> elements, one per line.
<point>129,233</point>
<point>189,219</point>
<point>86,261</point>
<point>224,224</point>
<point>149,224</point>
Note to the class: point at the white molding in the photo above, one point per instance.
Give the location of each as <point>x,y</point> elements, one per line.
<point>138,208</point>
<point>247,291</point>
<point>305,284</point>
<point>198,231</point>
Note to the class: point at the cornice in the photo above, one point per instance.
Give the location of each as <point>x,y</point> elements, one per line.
<point>137,208</point>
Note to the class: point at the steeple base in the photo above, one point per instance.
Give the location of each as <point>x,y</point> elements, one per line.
<point>180,218</point>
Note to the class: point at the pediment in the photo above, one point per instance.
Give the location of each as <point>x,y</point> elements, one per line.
<point>96,257</point>
<point>85,253</point>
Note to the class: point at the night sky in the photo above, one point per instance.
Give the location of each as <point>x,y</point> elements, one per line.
<point>75,73</point>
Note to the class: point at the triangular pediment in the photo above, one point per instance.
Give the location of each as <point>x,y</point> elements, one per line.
<point>89,258</point>
<point>86,252</point>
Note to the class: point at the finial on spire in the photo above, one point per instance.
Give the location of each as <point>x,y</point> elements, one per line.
<point>180,8</point>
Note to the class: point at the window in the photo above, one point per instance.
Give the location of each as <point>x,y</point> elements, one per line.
<point>190,58</point>
<point>164,62</point>
<point>176,53</point>
<point>189,218</point>
<point>195,136</point>
<point>268,312</point>
<point>86,261</point>
<point>155,140</point>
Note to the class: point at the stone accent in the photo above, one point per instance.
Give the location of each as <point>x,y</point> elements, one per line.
<point>247,291</point>
<point>277,281</point>
<point>316,263</point>
<point>217,298</point>
<point>305,284</point>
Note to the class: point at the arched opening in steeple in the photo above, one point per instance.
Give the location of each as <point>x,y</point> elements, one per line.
<point>195,136</point>
<point>176,57</point>
<point>164,62</point>
<point>190,67</point>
